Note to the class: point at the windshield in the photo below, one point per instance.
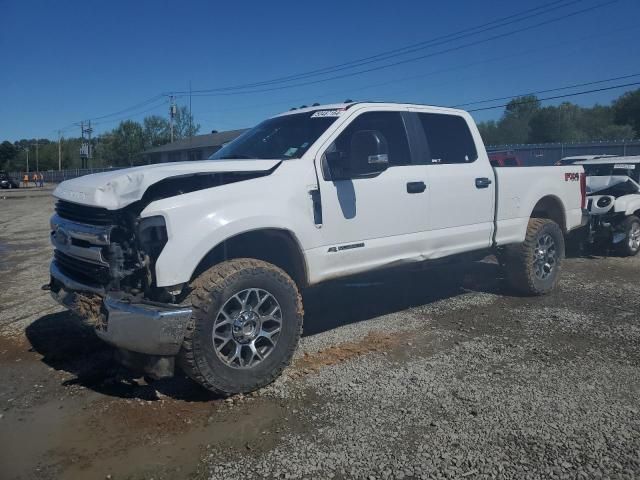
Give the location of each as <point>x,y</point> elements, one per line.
<point>289,136</point>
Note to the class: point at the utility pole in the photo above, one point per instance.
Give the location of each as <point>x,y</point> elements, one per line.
<point>59,150</point>
<point>85,148</point>
<point>82,144</point>
<point>37,164</point>
<point>89,131</point>
<point>172,114</point>
<point>190,122</point>
<point>27,159</point>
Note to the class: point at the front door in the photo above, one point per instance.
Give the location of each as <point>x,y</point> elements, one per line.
<point>377,220</point>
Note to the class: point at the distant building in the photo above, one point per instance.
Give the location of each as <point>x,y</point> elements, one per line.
<point>198,147</point>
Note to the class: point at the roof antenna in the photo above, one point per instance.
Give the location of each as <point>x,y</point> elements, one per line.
<point>348,100</point>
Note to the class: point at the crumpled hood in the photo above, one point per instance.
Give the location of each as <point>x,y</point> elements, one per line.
<point>117,189</point>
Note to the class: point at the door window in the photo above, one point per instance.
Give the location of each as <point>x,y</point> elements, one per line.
<point>389,124</point>
<point>449,139</point>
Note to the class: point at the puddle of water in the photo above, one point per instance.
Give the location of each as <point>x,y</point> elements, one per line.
<point>26,436</point>
<point>65,439</point>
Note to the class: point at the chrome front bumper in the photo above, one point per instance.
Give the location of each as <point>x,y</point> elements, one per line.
<point>153,329</point>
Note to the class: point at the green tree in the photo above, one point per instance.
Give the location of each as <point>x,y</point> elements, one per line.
<point>617,132</point>
<point>8,153</point>
<point>627,110</point>
<point>490,132</point>
<point>184,124</point>
<point>524,121</point>
<point>514,124</point>
<point>124,144</point>
<point>156,131</point>
<point>556,124</point>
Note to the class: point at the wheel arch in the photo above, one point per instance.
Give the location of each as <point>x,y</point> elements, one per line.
<point>551,208</point>
<point>277,246</point>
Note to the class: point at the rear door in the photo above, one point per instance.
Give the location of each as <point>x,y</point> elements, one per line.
<point>461,186</point>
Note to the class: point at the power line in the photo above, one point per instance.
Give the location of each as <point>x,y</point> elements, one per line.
<point>404,61</point>
<point>546,8</point>
<point>134,107</point>
<point>519,54</point>
<point>510,19</point>
<point>568,87</point>
<point>555,97</point>
<point>119,112</point>
<point>501,22</point>
<point>154,107</point>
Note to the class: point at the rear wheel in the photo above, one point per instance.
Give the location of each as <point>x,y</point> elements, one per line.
<point>245,326</point>
<point>631,244</point>
<point>533,267</point>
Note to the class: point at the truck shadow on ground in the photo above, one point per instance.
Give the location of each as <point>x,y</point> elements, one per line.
<point>68,345</point>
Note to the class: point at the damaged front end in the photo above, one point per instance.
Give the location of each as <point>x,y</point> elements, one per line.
<point>103,270</point>
<point>104,261</point>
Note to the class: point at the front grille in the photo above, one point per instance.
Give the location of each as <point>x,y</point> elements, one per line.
<point>81,271</point>
<point>85,214</point>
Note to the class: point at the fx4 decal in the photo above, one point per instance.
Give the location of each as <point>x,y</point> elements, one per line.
<point>572,177</point>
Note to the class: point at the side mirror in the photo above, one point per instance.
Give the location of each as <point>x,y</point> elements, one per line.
<point>369,153</point>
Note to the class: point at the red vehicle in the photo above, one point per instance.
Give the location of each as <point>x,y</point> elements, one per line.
<point>505,158</point>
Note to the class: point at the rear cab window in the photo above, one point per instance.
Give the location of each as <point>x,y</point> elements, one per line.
<point>449,139</point>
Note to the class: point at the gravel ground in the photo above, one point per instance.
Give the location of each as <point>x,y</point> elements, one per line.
<point>399,375</point>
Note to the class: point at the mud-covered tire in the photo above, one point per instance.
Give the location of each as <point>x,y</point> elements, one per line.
<point>523,264</point>
<point>212,291</point>
<point>630,246</point>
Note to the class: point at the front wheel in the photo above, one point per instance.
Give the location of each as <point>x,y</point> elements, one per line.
<point>245,326</point>
<point>631,244</point>
<point>533,266</point>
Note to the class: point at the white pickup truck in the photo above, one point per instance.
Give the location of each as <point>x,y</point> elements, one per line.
<point>202,262</point>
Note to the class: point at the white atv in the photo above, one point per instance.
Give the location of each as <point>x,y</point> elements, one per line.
<point>613,200</point>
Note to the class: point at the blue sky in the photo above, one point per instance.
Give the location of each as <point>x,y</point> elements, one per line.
<point>68,61</point>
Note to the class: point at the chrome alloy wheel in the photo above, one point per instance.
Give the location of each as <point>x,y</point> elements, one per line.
<point>247,328</point>
<point>545,257</point>
<point>634,237</point>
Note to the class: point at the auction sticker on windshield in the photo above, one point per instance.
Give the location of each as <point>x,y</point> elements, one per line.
<point>327,113</point>
<point>621,166</point>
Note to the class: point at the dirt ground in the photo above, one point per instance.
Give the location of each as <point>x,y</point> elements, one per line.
<point>399,375</point>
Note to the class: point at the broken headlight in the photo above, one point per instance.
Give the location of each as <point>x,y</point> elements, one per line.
<point>152,235</point>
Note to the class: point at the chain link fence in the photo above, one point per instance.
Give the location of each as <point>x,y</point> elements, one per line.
<point>57,176</point>
<point>549,153</point>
